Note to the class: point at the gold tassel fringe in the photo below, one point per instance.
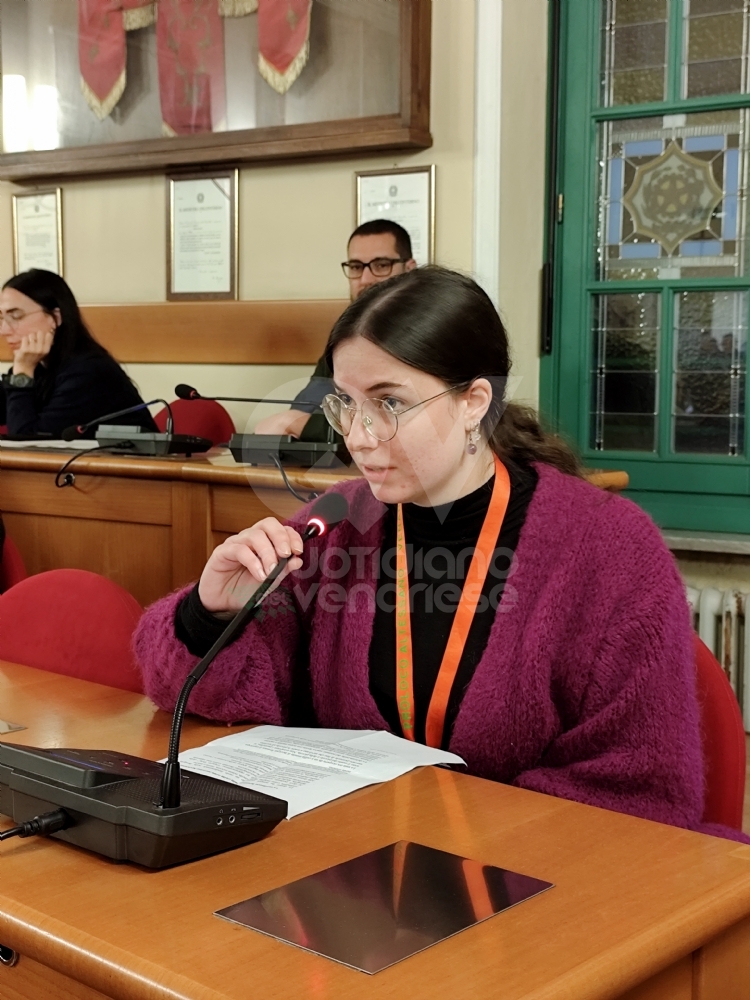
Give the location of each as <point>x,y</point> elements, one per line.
<point>139,17</point>
<point>103,108</point>
<point>237,8</point>
<point>281,82</point>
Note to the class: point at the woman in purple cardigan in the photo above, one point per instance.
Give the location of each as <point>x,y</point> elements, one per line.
<point>480,595</point>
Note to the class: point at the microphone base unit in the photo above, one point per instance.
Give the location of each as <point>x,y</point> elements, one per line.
<point>256,449</point>
<point>135,441</point>
<point>112,800</point>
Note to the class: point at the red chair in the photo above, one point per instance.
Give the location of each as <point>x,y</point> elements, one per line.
<point>204,417</point>
<point>73,622</point>
<point>12,569</point>
<point>724,746</point>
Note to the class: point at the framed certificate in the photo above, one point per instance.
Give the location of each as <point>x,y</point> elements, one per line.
<point>202,235</point>
<point>406,196</point>
<point>37,231</point>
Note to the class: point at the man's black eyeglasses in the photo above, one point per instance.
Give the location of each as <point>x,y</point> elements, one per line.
<point>381,267</point>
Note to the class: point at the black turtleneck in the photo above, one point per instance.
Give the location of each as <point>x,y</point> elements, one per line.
<point>440,541</point>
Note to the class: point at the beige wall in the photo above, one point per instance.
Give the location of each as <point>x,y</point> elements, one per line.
<point>295,217</point>
<point>522,173</point>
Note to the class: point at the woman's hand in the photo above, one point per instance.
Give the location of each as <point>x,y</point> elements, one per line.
<point>239,565</point>
<point>33,347</point>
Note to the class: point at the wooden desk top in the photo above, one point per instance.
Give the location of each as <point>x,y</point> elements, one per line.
<point>630,897</point>
<point>217,466</point>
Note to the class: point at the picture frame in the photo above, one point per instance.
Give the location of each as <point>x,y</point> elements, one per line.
<point>405,126</point>
<point>37,231</point>
<point>203,235</point>
<point>405,195</point>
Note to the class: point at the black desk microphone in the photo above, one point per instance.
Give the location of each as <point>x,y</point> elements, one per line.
<point>76,430</point>
<point>132,809</point>
<point>183,391</point>
<point>329,511</point>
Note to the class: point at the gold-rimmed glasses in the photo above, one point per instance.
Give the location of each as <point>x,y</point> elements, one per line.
<point>379,418</point>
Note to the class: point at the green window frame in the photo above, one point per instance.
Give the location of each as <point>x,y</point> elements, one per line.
<point>699,491</point>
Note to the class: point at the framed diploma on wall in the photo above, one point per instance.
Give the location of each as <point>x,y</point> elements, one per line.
<point>37,231</point>
<point>202,235</point>
<point>403,195</point>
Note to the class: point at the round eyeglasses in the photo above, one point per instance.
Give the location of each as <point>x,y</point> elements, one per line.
<point>379,418</point>
<point>381,267</point>
<point>14,317</point>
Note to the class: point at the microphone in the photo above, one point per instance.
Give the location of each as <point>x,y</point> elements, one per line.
<point>330,510</point>
<point>77,430</point>
<point>183,391</point>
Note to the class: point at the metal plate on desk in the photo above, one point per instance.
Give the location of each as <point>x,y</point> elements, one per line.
<point>382,907</point>
<point>10,727</point>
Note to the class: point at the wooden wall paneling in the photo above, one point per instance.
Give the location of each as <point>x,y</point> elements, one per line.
<point>97,497</point>
<point>191,531</point>
<point>136,556</point>
<point>722,967</point>
<point>236,507</point>
<point>236,333</point>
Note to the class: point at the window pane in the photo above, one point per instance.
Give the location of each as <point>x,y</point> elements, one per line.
<point>710,351</point>
<point>716,44</point>
<point>634,51</point>
<point>672,194</point>
<point>625,371</point>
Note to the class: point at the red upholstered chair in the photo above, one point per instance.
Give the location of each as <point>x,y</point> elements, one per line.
<point>73,622</point>
<point>12,569</point>
<point>724,746</point>
<point>204,417</point>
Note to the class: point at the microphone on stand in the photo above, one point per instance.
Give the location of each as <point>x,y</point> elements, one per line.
<point>76,430</point>
<point>183,391</point>
<point>330,510</point>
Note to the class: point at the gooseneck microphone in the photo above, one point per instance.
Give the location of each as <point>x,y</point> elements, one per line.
<point>183,391</point>
<point>70,433</point>
<point>330,510</point>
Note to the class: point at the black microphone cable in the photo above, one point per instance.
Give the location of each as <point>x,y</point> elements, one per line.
<point>64,478</point>
<point>39,826</point>
<point>277,462</point>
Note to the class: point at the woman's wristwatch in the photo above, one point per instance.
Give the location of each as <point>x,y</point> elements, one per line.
<point>21,381</point>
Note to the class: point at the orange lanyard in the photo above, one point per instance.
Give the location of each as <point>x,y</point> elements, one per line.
<point>472,591</point>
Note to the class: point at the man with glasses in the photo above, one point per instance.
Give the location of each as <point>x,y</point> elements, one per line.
<point>377,250</point>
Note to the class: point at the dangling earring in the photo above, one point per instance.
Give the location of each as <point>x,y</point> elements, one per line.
<point>471,447</point>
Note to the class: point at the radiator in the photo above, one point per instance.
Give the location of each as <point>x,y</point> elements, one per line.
<point>719,618</point>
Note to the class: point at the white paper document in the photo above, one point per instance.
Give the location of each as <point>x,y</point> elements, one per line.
<point>43,444</point>
<point>309,767</point>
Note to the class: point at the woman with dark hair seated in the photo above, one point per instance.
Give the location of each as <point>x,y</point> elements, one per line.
<point>60,376</point>
<point>481,596</point>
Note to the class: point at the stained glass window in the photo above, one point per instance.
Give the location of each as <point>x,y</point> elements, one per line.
<point>625,371</point>
<point>634,51</point>
<point>710,368</point>
<point>716,47</point>
<point>672,196</point>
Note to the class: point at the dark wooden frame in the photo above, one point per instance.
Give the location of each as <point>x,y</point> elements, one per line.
<point>234,222</point>
<point>409,129</point>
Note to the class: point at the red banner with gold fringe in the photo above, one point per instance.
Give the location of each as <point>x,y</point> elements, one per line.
<point>283,41</point>
<point>102,25</point>
<point>190,45</point>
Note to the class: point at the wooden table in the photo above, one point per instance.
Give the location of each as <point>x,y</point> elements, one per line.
<point>639,910</point>
<point>149,524</point>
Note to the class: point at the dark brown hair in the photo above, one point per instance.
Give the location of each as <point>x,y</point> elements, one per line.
<point>441,322</point>
<point>378,227</point>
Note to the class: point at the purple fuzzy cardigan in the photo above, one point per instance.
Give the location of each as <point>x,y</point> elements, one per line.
<point>586,689</point>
